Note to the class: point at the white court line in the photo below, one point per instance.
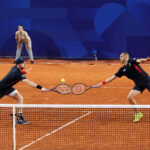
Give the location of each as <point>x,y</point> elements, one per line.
<point>55,131</point>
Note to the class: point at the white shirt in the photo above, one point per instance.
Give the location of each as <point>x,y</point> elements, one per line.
<point>22,36</point>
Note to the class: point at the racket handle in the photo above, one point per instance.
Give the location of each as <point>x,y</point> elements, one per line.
<point>94,86</point>
<point>48,90</point>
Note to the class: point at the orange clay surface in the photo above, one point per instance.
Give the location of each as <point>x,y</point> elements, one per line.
<point>101,130</point>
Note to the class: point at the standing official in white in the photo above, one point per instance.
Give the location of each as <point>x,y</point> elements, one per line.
<point>22,38</point>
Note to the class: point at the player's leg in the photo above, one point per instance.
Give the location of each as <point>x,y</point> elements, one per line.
<point>131,97</point>
<point>17,96</point>
<point>19,50</point>
<point>30,53</point>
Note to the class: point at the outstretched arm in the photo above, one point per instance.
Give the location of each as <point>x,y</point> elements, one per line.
<point>106,81</point>
<point>34,85</point>
<point>143,60</point>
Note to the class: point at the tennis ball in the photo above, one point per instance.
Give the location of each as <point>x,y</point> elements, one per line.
<point>63,80</point>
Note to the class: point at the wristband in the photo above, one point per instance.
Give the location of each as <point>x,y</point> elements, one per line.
<point>103,82</point>
<point>39,87</point>
<point>24,72</point>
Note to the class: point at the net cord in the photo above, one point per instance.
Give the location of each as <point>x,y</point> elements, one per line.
<point>72,106</point>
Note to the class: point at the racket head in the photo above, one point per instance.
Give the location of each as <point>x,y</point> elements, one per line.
<point>79,88</point>
<point>62,89</point>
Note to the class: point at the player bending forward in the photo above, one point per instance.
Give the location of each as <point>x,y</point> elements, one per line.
<point>15,75</point>
<point>22,38</point>
<point>133,71</point>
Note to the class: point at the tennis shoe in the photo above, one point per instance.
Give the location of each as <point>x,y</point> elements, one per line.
<point>32,62</point>
<point>138,117</point>
<point>21,121</point>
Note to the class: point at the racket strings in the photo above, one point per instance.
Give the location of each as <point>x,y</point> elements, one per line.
<point>78,89</point>
<point>63,89</point>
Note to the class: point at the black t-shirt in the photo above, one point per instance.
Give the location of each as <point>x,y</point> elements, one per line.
<point>13,77</point>
<point>134,72</point>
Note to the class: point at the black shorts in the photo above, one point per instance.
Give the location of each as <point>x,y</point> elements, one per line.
<point>142,88</point>
<point>6,91</point>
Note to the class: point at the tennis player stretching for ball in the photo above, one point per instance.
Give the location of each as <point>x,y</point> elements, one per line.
<point>15,75</point>
<point>133,71</point>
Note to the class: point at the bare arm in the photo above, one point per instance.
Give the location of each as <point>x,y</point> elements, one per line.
<point>106,81</point>
<point>142,60</point>
<point>32,84</point>
<point>110,79</point>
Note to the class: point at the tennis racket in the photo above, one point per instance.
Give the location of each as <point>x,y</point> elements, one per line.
<point>80,88</point>
<point>61,89</point>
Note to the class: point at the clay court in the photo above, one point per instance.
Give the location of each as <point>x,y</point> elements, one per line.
<point>91,129</point>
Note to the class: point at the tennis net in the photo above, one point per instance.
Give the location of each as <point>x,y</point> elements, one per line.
<point>75,127</point>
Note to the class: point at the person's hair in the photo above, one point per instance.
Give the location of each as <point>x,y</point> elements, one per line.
<point>21,26</point>
<point>125,53</point>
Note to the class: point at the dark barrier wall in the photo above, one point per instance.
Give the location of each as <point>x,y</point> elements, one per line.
<point>73,28</point>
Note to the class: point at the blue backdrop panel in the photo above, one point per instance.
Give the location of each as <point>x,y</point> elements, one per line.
<point>73,28</point>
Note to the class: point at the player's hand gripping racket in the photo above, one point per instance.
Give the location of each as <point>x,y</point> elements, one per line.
<point>80,88</point>
<point>61,89</point>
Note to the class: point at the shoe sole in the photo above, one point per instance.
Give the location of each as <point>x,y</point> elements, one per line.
<point>138,119</point>
<point>22,123</point>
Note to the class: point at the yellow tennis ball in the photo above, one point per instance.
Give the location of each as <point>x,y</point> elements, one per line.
<point>63,80</point>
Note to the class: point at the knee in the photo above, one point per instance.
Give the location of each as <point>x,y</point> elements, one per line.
<point>130,98</point>
<point>19,98</point>
<point>20,101</point>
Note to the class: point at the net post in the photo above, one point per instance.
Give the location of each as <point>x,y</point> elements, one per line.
<point>14,128</point>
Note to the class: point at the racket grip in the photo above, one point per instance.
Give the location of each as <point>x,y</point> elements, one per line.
<point>94,86</point>
<point>48,90</point>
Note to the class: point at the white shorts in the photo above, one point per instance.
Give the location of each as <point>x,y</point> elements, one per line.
<point>13,93</point>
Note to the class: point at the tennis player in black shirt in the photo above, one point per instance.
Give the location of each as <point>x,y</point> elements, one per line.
<point>133,71</point>
<point>15,75</point>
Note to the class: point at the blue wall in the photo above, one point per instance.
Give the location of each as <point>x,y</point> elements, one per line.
<point>72,28</point>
